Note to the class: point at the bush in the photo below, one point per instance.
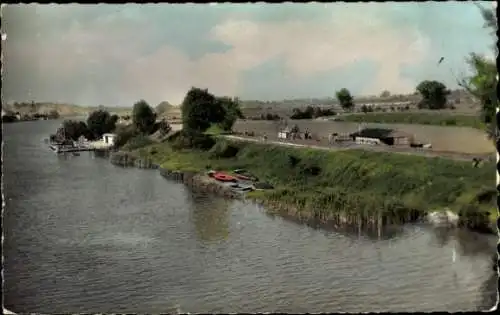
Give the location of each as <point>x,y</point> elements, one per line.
<point>191,140</point>
<point>124,134</point>
<point>224,149</point>
<point>139,141</point>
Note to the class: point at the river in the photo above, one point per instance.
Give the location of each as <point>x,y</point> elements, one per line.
<point>85,236</point>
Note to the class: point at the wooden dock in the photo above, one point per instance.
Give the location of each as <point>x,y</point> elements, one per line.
<point>81,147</point>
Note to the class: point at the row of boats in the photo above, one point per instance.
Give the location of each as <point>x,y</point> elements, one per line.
<point>240,180</point>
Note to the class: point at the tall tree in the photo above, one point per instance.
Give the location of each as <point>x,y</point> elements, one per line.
<point>434,94</point>
<point>143,117</point>
<point>232,112</point>
<point>345,99</point>
<point>200,109</point>
<point>100,122</point>
<point>482,84</point>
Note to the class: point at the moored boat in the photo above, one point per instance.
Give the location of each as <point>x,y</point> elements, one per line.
<point>223,177</point>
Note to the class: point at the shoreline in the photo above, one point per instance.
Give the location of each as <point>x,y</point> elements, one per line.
<point>199,181</point>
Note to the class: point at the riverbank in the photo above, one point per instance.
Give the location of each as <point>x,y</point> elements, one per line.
<point>345,187</point>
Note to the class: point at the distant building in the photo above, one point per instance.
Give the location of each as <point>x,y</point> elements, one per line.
<point>365,140</point>
<point>386,136</point>
<point>109,138</point>
<point>284,133</point>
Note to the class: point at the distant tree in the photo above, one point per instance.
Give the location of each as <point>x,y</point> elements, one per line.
<point>72,130</point>
<point>143,117</point>
<point>232,112</point>
<point>345,99</point>
<point>299,114</point>
<point>385,94</point>
<point>100,122</point>
<point>434,94</point>
<point>162,108</point>
<point>53,114</point>
<point>364,108</point>
<point>164,127</point>
<point>271,116</point>
<point>200,109</point>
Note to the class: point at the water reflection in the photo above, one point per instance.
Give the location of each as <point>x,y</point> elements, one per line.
<point>211,217</point>
<point>353,232</point>
<point>466,243</point>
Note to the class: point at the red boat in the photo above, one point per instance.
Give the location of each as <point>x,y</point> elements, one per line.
<point>223,177</point>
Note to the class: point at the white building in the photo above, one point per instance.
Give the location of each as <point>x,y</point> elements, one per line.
<point>284,134</point>
<point>109,138</point>
<point>366,140</point>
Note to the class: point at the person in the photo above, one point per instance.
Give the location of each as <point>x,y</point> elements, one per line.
<point>331,138</point>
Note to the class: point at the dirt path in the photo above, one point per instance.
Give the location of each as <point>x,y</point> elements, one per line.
<point>321,145</point>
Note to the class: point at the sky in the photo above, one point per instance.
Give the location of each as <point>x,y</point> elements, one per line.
<point>114,55</point>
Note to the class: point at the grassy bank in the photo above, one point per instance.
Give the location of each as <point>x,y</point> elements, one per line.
<point>352,186</point>
<point>437,119</point>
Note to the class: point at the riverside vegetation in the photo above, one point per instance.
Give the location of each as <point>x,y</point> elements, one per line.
<point>353,187</point>
<point>343,187</point>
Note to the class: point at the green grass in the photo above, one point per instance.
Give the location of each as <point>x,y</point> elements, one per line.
<point>438,119</point>
<point>322,184</point>
<point>216,130</point>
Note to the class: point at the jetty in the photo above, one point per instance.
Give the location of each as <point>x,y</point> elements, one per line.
<point>91,146</point>
<point>106,143</point>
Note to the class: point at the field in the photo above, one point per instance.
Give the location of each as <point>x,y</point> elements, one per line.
<point>462,103</point>
<point>420,118</point>
<point>451,139</point>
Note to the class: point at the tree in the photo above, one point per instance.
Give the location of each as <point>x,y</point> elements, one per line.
<point>232,112</point>
<point>162,108</point>
<point>100,122</point>
<point>143,117</point>
<point>164,127</point>
<point>385,94</point>
<point>72,130</point>
<point>200,110</point>
<point>434,94</point>
<point>53,114</point>
<point>345,99</point>
<point>483,81</point>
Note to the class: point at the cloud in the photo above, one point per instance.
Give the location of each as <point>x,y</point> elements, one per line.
<point>308,48</point>
<point>115,55</point>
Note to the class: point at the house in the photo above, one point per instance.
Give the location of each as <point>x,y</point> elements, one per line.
<point>396,137</point>
<point>284,133</point>
<point>365,140</point>
<point>386,136</point>
<point>109,138</point>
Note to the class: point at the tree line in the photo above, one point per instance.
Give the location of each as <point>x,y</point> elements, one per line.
<point>101,121</point>
<point>200,111</point>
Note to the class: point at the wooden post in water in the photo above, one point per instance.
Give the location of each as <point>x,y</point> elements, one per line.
<point>379,225</point>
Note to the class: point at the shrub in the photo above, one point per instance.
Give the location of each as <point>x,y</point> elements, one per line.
<point>223,149</point>
<point>124,134</point>
<point>191,140</point>
<point>139,141</point>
